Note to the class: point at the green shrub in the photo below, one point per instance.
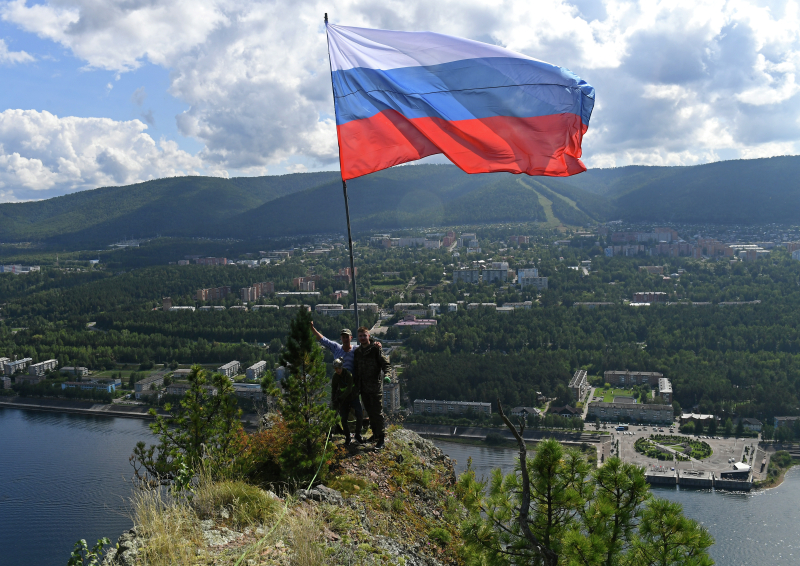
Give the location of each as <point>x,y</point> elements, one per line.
<point>440,536</point>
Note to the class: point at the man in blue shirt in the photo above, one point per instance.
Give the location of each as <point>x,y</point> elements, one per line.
<point>344,350</point>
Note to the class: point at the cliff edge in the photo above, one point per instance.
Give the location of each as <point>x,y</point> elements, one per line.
<point>395,506</point>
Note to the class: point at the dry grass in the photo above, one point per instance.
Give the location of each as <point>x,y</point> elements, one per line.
<point>306,528</point>
<point>169,526</point>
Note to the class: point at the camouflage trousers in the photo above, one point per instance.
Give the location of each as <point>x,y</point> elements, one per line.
<point>373,403</point>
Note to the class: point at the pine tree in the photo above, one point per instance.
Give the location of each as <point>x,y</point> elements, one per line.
<point>200,426</point>
<point>301,399</point>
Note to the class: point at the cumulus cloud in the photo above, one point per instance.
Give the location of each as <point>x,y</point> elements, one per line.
<point>11,57</point>
<point>678,81</point>
<point>42,154</point>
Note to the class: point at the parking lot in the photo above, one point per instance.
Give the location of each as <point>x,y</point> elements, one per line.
<point>723,449</point>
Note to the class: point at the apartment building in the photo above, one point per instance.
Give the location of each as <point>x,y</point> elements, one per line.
<point>579,384</point>
<point>148,385</point>
<point>638,412</point>
<point>650,297</point>
<point>529,277</point>
<point>213,294</point>
<point>10,367</point>
<point>42,367</point>
<point>250,391</point>
<point>473,306</point>
<point>665,389</point>
<point>428,407</point>
<point>256,370</point>
<point>230,370</point>
<point>471,276</point>
<point>625,377</point>
<point>211,261</point>
<point>77,371</point>
<point>391,397</point>
<point>416,309</point>
<point>495,275</point>
<point>256,291</point>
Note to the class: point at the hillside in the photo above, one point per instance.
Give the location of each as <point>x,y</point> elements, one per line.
<point>757,191</point>
<point>728,192</point>
<point>175,206</point>
<point>424,195</point>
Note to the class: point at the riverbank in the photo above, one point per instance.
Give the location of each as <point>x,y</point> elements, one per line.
<point>73,406</point>
<point>77,407</point>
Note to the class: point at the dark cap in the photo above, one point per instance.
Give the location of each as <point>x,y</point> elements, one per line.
<point>337,363</point>
<point>346,331</point>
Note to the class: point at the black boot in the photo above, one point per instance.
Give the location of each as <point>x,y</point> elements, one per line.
<point>379,444</point>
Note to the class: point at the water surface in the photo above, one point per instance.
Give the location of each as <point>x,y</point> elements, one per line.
<point>755,528</point>
<point>63,478</point>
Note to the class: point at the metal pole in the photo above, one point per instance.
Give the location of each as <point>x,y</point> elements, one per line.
<point>344,190</point>
<point>350,243</point>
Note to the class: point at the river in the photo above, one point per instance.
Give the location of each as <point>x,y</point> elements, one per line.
<point>760,527</point>
<point>67,477</point>
<point>62,478</point>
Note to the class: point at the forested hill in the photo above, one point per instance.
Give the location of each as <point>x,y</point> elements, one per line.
<point>174,206</point>
<point>728,192</point>
<point>746,191</point>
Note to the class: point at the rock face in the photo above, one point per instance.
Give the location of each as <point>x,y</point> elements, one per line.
<point>394,506</point>
<point>320,494</point>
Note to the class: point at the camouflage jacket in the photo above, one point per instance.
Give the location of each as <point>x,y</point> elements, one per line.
<point>368,362</point>
<point>343,389</point>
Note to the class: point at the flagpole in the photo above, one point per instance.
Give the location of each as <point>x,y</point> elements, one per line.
<point>344,189</point>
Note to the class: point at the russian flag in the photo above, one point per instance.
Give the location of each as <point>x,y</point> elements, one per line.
<point>401,96</point>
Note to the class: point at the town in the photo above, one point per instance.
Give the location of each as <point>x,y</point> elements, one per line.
<point>414,293</point>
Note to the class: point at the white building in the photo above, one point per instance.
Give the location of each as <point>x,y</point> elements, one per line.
<point>530,277</point>
<point>230,369</point>
<point>10,367</point>
<point>77,371</point>
<point>579,384</point>
<point>42,367</point>
<point>256,370</point>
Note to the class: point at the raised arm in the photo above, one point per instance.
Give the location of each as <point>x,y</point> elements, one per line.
<point>316,332</point>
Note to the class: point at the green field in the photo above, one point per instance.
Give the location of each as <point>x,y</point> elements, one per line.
<point>608,395</point>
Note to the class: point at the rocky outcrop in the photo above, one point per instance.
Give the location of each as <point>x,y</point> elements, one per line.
<point>380,507</point>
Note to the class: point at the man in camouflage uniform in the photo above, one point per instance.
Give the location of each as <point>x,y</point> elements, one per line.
<point>368,363</point>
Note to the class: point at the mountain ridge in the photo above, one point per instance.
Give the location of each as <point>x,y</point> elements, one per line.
<point>413,196</point>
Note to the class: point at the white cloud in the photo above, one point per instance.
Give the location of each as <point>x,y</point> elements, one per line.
<point>41,153</point>
<point>678,81</point>
<point>11,57</point>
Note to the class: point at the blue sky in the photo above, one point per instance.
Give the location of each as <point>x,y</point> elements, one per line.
<point>105,92</point>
